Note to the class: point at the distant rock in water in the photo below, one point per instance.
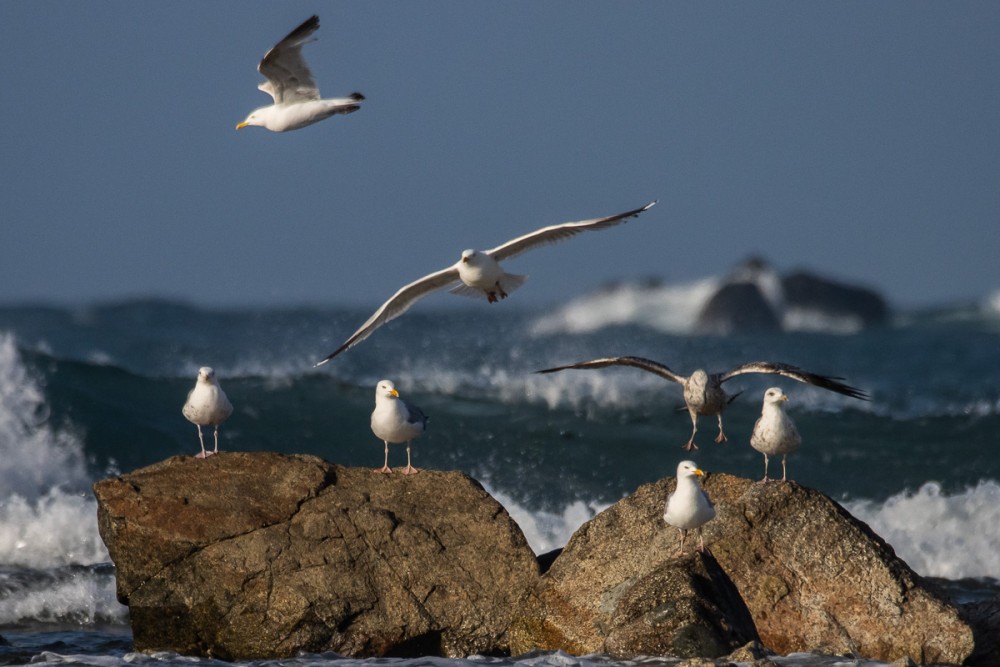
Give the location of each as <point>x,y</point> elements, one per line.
<point>245,556</point>
<point>810,294</point>
<point>737,307</point>
<point>752,298</point>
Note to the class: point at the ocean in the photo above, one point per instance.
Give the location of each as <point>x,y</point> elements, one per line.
<point>89,391</point>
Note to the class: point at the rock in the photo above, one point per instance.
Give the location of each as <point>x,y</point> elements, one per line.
<point>254,555</point>
<point>813,578</point>
<point>754,298</point>
<point>817,579</point>
<point>738,307</point>
<point>683,608</point>
<point>812,295</point>
<point>617,589</point>
<point>984,616</point>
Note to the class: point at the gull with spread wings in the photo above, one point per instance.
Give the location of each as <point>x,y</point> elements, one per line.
<point>296,96</point>
<point>703,392</point>
<point>479,273</point>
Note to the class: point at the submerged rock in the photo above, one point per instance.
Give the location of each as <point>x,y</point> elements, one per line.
<point>246,556</point>
<point>812,577</point>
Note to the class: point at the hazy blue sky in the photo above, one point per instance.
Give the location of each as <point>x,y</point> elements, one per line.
<point>858,139</point>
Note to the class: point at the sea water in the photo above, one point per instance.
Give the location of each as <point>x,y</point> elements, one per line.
<point>90,391</point>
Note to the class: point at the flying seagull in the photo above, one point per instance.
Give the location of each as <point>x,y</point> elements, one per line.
<point>775,433</point>
<point>688,507</point>
<point>207,405</point>
<point>296,97</point>
<point>480,273</point>
<point>703,392</point>
<point>396,421</point>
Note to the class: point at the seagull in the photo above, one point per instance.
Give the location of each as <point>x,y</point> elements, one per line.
<point>703,392</point>
<point>296,97</point>
<point>480,273</point>
<point>688,506</point>
<point>396,421</point>
<point>775,433</point>
<point>207,405</point>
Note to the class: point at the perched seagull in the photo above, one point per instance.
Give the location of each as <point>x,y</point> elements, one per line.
<point>396,421</point>
<point>703,392</point>
<point>207,405</point>
<point>688,506</point>
<point>296,97</point>
<point>480,273</point>
<point>775,433</point>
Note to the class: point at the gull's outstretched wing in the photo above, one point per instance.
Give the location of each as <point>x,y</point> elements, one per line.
<point>288,76</point>
<point>796,373</point>
<point>556,233</point>
<point>634,362</point>
<point>398,304</point>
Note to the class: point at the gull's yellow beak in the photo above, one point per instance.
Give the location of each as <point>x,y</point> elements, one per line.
<point>394,393</point>
<point>699,472</point>
<point>784,397</point>
<point>240,126</point>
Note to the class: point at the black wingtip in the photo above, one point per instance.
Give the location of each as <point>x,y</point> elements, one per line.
<point>356,96</point>
<point>330,356</point>
<point>308,26</point>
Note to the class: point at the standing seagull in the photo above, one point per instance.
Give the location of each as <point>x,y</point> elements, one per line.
<point>396,421</point>
<point>703,392</point>
<point>775,433</point>
<point>688,506</point>
<point>296,97</point>
<point>480,273</point>
<point>207,405</point>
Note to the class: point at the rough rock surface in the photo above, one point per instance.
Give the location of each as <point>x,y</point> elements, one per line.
<point>243,556</point>
<point>813,577</point>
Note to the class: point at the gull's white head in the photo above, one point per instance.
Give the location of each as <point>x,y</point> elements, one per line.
<point>689,469</point>
<point>469,256</point>
<point>774,396</point>
<point>257,117</point>
<point>206,374</point>
<point>386,389</point>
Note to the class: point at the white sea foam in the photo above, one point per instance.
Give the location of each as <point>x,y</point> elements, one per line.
<point>809,319</point>
<point>47,516</point>
<point>79,597</point>
<point>667,308</point>
<point>546,531</point>
<point>940,535</point>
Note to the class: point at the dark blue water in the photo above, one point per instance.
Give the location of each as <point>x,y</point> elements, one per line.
<point>90,391</point>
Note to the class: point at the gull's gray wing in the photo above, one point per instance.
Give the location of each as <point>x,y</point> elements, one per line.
<point>415,415</point>
<point>398,304</point>
<point>288,76</point>
<point>634,362</point>
<point>556,233</point>
<point>796,373</point>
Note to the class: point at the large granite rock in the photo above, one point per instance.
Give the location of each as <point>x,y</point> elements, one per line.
<point>244,556</point>
<point>813,578</point>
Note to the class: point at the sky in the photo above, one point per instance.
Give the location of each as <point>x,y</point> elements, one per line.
<point>857,140</point>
